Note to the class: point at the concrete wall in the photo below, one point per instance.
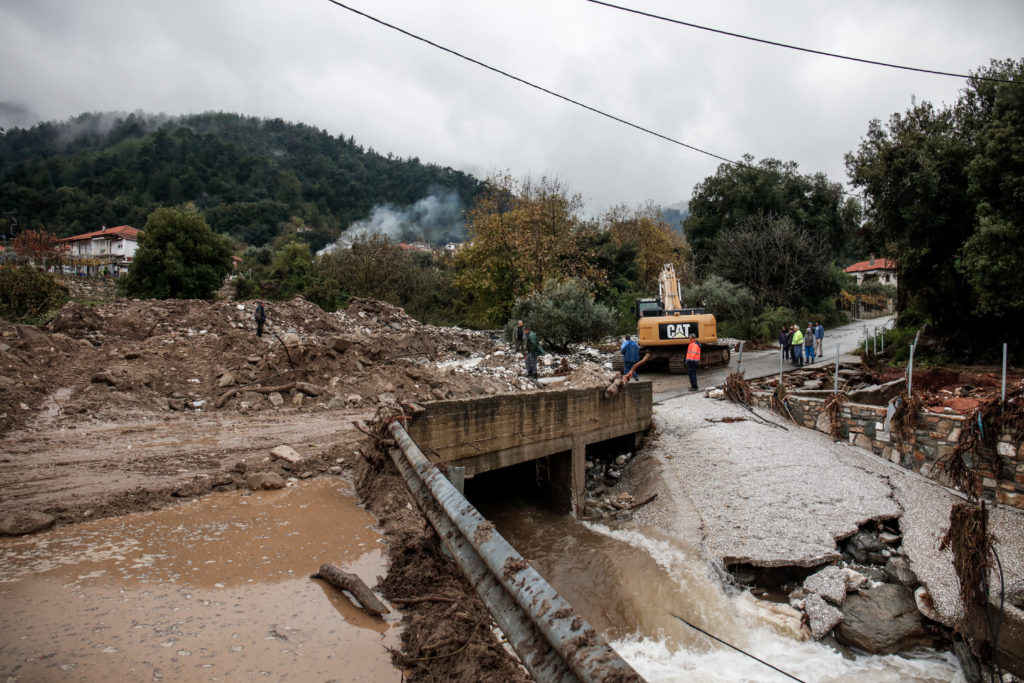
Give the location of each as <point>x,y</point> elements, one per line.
<point>932,441</point>
<point>490,433</point>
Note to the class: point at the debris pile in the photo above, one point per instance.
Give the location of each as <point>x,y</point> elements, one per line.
<point>940,390</point>
<point>871,599</point>
<point>131,358</point>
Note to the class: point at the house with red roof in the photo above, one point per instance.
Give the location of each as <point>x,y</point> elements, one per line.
<point>108,251</point>
<point>883,270</point>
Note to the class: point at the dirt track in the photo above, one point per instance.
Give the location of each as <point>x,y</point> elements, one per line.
<point>102,468</point>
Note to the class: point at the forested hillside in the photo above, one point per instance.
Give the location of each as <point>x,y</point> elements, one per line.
<point>249,177</point>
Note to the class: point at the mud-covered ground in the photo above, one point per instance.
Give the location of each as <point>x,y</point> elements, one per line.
<point>136,405</point>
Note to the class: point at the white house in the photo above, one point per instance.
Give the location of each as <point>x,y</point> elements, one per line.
<point>104,252</point>
<point>883,270</point>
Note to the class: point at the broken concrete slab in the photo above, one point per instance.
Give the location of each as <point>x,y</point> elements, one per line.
<point>821,616</point>
<point>829,583</point>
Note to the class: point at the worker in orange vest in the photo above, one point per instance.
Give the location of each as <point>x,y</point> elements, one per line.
<point>693,360</point>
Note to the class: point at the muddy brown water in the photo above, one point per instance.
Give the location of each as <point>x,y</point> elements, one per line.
<point>213,589</point>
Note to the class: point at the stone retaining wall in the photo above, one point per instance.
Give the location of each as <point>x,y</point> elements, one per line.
<point>933,440</point>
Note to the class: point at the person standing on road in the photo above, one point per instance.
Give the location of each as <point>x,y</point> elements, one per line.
<point>693,360</point>
<point>519,336</point>
<point>819,336</point>
<point>784,341</point>
<point>261,317</point>
<point>797,346</point>
<point>533,349</point>
<point>809,343</point>
<point>630,355</point>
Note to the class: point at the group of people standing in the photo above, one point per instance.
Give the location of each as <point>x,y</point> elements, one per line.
<point>801,347</point>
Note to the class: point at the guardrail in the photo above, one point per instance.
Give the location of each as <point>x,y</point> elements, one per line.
<point>552,640</point>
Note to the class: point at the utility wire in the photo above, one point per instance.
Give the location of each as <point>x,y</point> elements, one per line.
<point>450,51</point>
<point>802,49</point>
<point>698,628</point>
<point>535,86</point>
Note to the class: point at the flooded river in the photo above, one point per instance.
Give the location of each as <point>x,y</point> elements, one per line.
<point>213,589</point>
<point>629,584</point>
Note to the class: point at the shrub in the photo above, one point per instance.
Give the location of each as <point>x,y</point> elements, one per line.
<point>27,294</point>
<point>564,313</point>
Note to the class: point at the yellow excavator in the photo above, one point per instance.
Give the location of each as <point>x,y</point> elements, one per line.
<point>663,328</point>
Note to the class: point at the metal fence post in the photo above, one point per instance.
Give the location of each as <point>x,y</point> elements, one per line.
<point>835,382</point>
<point>910,372</point>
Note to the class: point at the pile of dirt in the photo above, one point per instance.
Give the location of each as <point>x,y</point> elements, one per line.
<point>131,357</point>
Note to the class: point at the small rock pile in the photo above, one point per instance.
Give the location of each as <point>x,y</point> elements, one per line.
<point>602,474</point>
<point>871,599</point>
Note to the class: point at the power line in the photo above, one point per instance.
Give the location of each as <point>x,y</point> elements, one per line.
<point>802,49</point>
<point>535,86</point>
<point>595,110</point>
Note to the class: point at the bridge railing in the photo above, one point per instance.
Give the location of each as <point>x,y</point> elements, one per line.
<point>553,641</point>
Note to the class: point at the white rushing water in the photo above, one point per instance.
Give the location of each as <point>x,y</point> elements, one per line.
<point>629,583</point>
<point>742,620</point>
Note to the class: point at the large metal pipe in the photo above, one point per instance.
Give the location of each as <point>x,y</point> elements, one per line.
<point>508,584</point>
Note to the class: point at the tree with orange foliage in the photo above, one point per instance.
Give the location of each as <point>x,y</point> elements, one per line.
<point>522,234</point>
<point>37,245</point>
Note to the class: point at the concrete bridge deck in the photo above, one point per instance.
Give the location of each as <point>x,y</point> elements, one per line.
<point>485,434</point>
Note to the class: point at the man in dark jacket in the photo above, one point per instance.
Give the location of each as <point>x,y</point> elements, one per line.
<point>261,317</point>
<point>784,337</point>
<point>533,349</point>
<point>519,336</point>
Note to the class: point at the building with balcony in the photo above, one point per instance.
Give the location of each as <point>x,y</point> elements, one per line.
<point>103,252</point>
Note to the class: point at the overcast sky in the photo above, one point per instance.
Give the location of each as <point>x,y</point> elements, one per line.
<point>310,61</point>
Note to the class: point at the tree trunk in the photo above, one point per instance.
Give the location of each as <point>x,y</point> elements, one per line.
<point>355,586</point>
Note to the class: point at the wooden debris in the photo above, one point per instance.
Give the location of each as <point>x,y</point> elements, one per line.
<point>354,586</point>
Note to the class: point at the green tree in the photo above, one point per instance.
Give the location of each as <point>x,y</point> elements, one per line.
<point>372,266</point>
<point>291,270</point>
<point>944,190</point>
<point>738,192</point>
<point>781,263</point>
<point>563,313</point>
<point>733,305</point>
<point>178,257</point>
<point>993,254</point>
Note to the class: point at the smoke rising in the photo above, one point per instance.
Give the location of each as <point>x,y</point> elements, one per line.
<point>436,219</point>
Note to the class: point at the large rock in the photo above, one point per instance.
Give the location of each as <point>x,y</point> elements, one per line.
<point>286,453</point>
<point>264,481</point>
<point>898,569</point>
<point>865,547</point>
<point>25,522</point>
<point>882,620</point>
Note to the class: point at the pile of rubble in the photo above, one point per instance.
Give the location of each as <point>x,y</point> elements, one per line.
<point>941,390</point>
<point>870,600</point>
<point>128,357</point>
